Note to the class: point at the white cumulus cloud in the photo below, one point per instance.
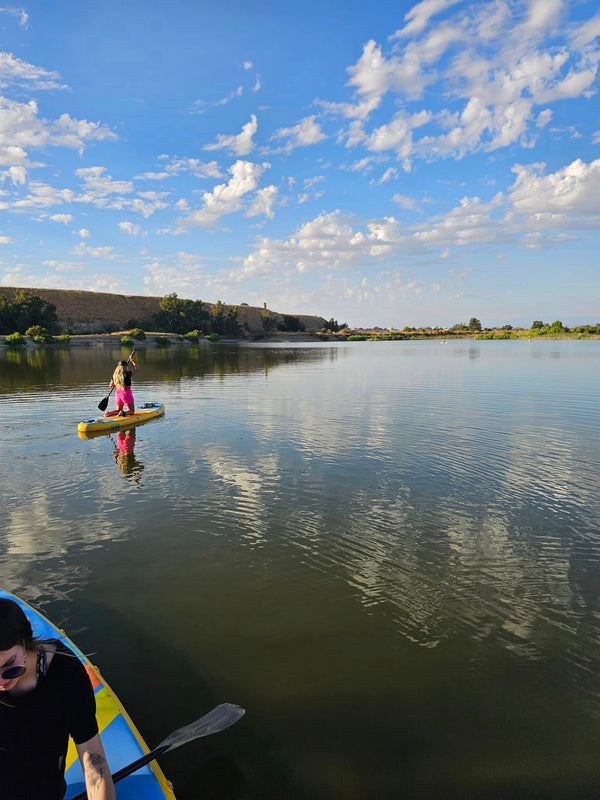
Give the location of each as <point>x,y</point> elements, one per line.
<point>15,72</point>
<point>263,203</point>
<point>107,252</point>
<point>419,16</point>
<point>241,144</point>
<point>20,13</point>
<point>225,198</point>
<point>305,133</point>
<point>493,64</point>
<point>572,190</point>
<point>130,228</point>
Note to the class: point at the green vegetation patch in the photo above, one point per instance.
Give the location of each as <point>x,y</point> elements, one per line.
<point>39,334</point>
<point>15,340</point>
<point>27,310</point>
<point>290,323</point>
<point>503,335</point>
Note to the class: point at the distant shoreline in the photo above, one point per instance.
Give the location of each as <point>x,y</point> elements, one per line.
<point>113,340</point>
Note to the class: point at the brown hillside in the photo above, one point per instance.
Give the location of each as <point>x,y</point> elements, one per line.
<point>100,312</point>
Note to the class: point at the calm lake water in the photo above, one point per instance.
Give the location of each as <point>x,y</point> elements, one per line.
<point>388,553</point>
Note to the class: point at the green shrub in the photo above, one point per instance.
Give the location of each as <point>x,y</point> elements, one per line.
<point>213,337</point>
<point>358,337</point>
<point>39,334</point>
<point>269,320</point>
<point>192,336</point>
<point>25,310</point>
<point>290,323</point>
<point>505,335</point>
<point>162,341</point>
<point>385,337</point>
<point>138,334</point>
<point>64,338</point>
<point>15,340</point>
<point>126,341</point>
<point>334,326</point>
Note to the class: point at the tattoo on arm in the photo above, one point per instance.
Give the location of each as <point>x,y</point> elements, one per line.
<point>98,780</point>
<point>95,767</point>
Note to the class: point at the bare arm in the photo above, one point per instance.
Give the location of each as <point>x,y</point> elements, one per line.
<point>98,780</point>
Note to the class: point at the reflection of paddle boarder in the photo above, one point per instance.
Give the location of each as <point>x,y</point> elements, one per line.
<point>125,456</point>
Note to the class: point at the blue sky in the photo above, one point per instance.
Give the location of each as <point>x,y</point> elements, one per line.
<point>384,163</point>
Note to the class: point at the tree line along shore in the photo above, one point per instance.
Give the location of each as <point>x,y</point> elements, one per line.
<point>62,313</point>
<point>29,317</point>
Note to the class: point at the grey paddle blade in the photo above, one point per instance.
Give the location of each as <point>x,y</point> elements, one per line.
<point>215,721</point>
<point>218,719</point>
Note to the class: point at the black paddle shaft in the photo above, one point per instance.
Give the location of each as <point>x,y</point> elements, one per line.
<point>102,405</point>
<point>220,718</point>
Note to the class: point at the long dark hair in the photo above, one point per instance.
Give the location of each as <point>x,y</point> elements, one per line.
<point>15,628</point>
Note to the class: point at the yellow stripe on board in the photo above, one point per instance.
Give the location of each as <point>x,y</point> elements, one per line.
<point>106,710</point>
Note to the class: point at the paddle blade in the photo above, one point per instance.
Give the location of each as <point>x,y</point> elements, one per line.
<point>103,404</point>
<point>215,721</point>
<point>218,719</point>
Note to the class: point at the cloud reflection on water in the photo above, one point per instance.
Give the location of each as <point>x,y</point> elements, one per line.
<point>449,492</point>
<point>456,508</point>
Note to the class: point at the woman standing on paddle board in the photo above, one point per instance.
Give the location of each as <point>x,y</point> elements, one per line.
<point>121,379</point>
<point>45,696</point>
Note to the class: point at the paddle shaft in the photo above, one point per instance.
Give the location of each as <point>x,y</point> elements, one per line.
<point>104,402</point>
<point>133,767</point>
<point>220,718</point>
<point>141,762</point>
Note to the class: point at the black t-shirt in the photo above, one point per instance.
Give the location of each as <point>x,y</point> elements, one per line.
<point>35,728</point>
<point>127,378</point>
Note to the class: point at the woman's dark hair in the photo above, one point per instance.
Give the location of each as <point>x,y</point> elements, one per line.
<point>15,628</point>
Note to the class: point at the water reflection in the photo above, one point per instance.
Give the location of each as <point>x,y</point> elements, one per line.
<point>91,366</point>
<point>435,506</point>
<point>125,458</point>
<point>59,495</point>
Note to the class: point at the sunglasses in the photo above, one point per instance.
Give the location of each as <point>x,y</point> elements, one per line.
<point>10,673</point>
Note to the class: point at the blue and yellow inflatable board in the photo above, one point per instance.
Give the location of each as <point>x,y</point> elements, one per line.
<point>95,425</point>
<point>122,741</point>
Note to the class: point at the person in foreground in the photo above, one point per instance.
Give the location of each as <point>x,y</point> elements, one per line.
<point>45,696</point>
<point>121,379</point>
